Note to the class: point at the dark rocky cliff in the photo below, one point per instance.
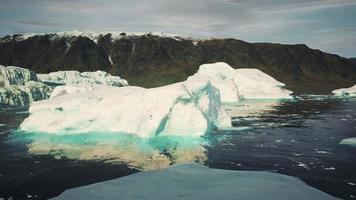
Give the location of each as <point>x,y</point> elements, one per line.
<point>151,60</point>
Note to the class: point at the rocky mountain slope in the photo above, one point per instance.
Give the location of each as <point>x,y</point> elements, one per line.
<point>152,60</point>
<point>353,60</point>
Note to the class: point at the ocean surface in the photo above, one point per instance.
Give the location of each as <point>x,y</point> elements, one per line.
<point>299,138</point>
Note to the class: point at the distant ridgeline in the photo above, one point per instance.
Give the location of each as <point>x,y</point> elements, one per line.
<point>151,60</point>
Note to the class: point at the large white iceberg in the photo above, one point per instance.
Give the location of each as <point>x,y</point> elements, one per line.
<point>345,92</point>
<point>239,84</point>
<point>75,77</point>
<point>187,108</point>
<point>19,87</point>
<point>193,181</point>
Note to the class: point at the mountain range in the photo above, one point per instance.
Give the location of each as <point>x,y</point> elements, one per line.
<point>152,60</point>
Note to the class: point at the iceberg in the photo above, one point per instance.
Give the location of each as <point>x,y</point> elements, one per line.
<point>192,181</point>
<point>254,84</point>
<point>190,108</point>
<point>239,84</point>
<point>345,92</point>
<point>75,77</point>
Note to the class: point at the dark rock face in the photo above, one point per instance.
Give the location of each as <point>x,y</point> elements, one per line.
<point>353,60</point>
<point>151,60</point>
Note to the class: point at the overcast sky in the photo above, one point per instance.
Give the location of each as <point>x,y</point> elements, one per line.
<point>329,25</point>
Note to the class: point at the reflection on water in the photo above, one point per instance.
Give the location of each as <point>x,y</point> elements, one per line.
<point>139,153</point>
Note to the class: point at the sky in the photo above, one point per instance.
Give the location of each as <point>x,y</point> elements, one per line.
<point>328,25</point>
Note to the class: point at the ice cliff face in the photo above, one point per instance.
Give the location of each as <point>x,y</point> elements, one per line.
<point>19,87</point>
<point>89,78</point>
<point>11,75</point>
<point>238,84</point>
<point>187,108</point>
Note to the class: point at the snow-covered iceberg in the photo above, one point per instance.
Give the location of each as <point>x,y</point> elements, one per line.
<point>192,181</point>
<point>238,84</point>
<point>187,108</point>
<point>345,92</point>
<point>19,87</point>
<point>89,78</point>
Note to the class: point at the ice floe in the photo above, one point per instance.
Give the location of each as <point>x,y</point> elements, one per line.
<point>349,141</point>
<point>193,181</point>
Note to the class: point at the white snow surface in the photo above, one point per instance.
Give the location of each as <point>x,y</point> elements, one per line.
<point>75,77</point>
<point>238,84</point>
<point>192,181</point>
<point>75,88</point>
<point>187,108</point>
<point>351,91</point>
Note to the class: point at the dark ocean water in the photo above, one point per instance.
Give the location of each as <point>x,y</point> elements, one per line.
<point>299,138</point>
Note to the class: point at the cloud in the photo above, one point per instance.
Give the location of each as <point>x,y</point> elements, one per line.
<point>253,20</point>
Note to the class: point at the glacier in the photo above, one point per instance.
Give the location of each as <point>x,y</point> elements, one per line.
<point>345,92</point>
<point>20,86</point>
<point>75,77</point>
<point>192,181</point>
<point>238,84</point>
<point>190,108</point>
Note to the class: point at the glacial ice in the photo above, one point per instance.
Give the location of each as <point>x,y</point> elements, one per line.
<point>254,84</point>
<point>19,87</point>
<point>136,152</point>
<point>192,181</point>
<point>345,92</point>
<point>75,77</point>
<point>189,108</point>
<point>11,75</point>
<point>239,84</point>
